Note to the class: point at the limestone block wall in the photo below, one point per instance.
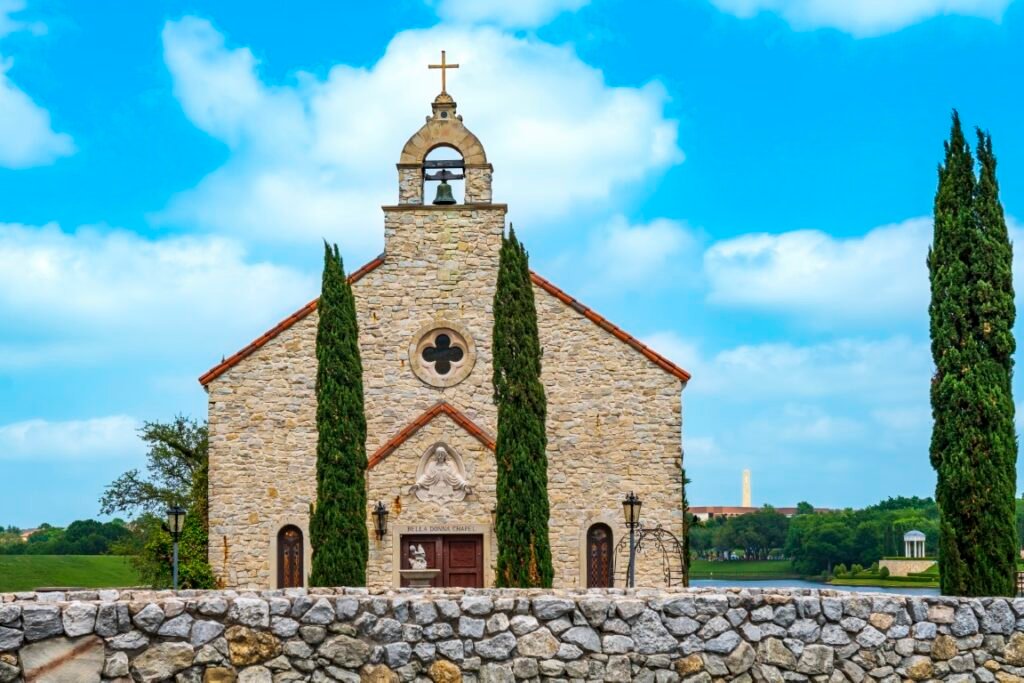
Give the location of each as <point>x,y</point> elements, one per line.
<point>614,417</point>
<point>506,635</point>
<point>262,426</point>
<point>410,184</point>
<point>905,567</point>
<point>440,266</point>
<point>614,425</point>
<point>478,184</point>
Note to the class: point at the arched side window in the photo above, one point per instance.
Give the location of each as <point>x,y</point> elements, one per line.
<point>600,551</point>
<point>290,553</point>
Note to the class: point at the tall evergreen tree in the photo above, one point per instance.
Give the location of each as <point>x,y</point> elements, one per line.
<point>524,551</point>
<point>974,447</point>
<point>337,527</point>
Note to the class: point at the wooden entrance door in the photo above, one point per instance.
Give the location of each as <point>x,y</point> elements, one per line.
<point>289,557</point>
<point>599,557</point>
<point>460,559</point>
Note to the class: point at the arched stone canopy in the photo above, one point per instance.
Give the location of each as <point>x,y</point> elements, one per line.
<point>444,129</point>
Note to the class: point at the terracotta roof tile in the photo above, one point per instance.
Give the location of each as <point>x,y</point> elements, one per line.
<point>588,313</point>
<point>439,408</point>
<point>649,353</point>
<point>230,362</point>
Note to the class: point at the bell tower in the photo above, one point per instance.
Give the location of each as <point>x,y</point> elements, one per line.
<point>444,128</point>
<point>429,223</point>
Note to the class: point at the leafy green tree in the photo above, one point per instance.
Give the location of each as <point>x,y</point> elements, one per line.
<point>816,542</point>
<point>337,526</point>
<point>804,508</point>
<point>757,533</point>
<point>974,447</point>
<point>524,550</point>
<point>176,474</point>
<point>700,538</point>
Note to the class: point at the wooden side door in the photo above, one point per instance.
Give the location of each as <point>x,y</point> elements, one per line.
<point>463,561</point>
<point>433,546</point>
<point>599,557</point>
<point>290,554</point>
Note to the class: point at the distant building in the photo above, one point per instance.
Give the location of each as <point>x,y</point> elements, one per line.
<point>26,533</point>
<point>914,544</point>
<point>704,513</point>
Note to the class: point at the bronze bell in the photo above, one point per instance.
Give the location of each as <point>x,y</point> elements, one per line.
<point>444,193</point>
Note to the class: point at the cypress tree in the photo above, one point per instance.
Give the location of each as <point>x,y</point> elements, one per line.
<point>524,551</point>
<point>973,448</point>
<point>337,527</point>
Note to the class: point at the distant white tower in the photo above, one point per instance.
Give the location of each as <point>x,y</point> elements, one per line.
<point>746,489</point>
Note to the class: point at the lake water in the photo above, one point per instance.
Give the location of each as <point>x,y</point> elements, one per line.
<point>797,583</point>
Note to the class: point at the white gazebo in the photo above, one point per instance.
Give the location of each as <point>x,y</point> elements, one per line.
<point>913,544</point>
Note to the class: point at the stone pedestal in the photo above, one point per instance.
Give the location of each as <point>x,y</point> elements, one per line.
<point>419,578</point>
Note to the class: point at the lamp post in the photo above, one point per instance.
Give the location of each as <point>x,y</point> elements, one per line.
<point>380,520</point>
<point>175,523</point>
<point>631,511</point>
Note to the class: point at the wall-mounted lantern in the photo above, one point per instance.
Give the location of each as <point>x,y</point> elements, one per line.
<point>380,520</point>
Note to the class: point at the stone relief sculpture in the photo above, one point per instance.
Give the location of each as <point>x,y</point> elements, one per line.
<point>417,557</point>
<point>441,476</point>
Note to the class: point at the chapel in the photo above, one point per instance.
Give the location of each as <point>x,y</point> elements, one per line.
<point>424,309</point>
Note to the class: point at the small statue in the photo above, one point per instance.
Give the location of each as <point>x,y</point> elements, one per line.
<point>417,557</point>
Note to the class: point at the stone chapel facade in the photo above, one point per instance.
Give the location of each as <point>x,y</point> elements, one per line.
<point>424,310</point>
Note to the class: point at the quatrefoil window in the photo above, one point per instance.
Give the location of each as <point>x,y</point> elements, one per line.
<point>442,355</point>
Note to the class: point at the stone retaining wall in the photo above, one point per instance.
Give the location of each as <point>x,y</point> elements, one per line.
<point>696,636</point>
<point>906,567</point>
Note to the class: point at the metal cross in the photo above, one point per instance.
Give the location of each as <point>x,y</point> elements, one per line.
<point>443,66</point>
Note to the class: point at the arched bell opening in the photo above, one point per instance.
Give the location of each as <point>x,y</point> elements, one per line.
<point>444,176</point>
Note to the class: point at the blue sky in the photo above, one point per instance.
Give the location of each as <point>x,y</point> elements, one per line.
<point>746,185</point>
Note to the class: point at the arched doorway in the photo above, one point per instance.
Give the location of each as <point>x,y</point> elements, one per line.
<point>600,568</point>
<point>289,557</point>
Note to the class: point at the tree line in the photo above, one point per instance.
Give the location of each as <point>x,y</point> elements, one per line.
<point>81,537</point>
<point>816,542</point>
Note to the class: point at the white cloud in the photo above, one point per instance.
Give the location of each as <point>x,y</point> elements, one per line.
<point>808,423</point>
<point>26,136</point>
<point>315,158</point>
<point>863,17</point>
<point>621,256</point>
<point>815,413</point>
<point>93,296</point>
<point>91,439</point>
<point>879,276</point>
<point>518,14</point>
<point>826,281</point>
<point>872,372</point>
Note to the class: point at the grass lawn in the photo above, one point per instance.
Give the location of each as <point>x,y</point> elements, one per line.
<point>27,572</point>
<point>742,569</point>
<point>885,583</point>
